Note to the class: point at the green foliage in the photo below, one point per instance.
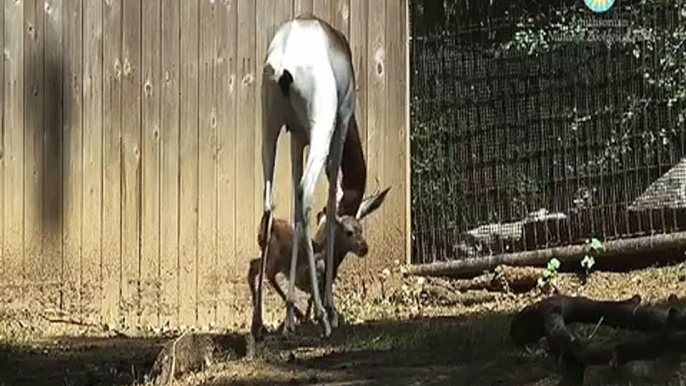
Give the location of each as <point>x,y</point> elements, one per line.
<point>613,75</point>
<point>588,261</point>
<point>596,245</point>
<point>549,278</point>
<point>633,29</point>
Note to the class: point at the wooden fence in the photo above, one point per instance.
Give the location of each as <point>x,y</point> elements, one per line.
<point>130,169</point>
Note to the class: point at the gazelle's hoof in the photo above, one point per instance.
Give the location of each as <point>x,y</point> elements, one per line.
<point>326,328</point>
<point>258,331</point>
<point>287,330</point>
<point>333,318</point>
<point>323,318</point>
<point>288,323</point>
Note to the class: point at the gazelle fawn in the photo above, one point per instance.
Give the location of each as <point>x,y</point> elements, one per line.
<point>348,237</point>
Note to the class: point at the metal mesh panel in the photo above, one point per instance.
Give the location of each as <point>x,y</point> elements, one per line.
<point>519,146</point>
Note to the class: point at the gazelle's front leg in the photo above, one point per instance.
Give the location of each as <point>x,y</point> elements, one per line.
<point>335,157</point>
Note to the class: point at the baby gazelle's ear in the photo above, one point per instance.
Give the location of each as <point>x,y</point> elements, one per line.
<point>371,204</point>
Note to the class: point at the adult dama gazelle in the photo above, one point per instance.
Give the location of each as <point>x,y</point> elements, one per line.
<point>308,85</point>
<point>348,238</point>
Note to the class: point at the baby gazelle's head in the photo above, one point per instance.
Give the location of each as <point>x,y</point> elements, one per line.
<point>349,236</point>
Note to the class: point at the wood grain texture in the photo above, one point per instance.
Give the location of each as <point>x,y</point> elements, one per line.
<point>394,136</point>
<point>188,165</point>
<point>376,121</point>
<point>207,167</point>
<point>2,152</point>
<point>53,148</point>
<point>247,93</point>
<point>227,269</point>
<point>169,174</point>
<point>150,165</point>
<point>131,161</point>
<point>92,153</point>
<point>72,134</point>
<point>112,163</point>
<point>302,6</point>
<point>33,141</point>
<point>13,149</point>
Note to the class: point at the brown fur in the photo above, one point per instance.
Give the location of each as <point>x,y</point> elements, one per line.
<point>353,171</point>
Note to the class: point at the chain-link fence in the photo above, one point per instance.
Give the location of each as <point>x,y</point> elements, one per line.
<point>540,124</point>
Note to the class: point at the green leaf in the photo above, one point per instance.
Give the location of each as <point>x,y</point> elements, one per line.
<point>553,264</point>
<point>596,244</point>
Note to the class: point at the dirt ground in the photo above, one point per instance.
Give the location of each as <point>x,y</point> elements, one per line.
<point>403,339</point>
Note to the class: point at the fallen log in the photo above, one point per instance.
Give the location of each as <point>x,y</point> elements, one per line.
<point>503,279</point>
<point>666,329</point>
<point>574,253</point>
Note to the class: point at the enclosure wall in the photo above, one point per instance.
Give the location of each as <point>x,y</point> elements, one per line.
<point>130,167</point>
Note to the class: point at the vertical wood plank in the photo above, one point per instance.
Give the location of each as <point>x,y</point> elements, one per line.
<point>111,208</point>
<point>150,221</point>
<point>324,10</point>
<point>408,161</point>
<point>33,145</point>
<point>169,178</point>
<point>359,11</point>
<point>2,149</point>
<point>13,182</point>
<point>92,149</point>
<point>52,189</point>
<point>358,44</point>
<point>247,62</point>
<point>227,267</point>
<point>130,172</point>
<point>341,16</point>
<point>207,146</point>
<point>395,134</point>
<point>73,155</point>
<point>188,191</point>
<point>302,6</point>
<point>376,122</point>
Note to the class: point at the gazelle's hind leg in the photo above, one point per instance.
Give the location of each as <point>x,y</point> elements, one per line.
<point>322,117</point>
<point>272,121</point>
<point>297,148</point>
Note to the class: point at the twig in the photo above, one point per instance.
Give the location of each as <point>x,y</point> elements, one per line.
<point>68,320</point>
<point>597,326</point>
<point>172,368</point>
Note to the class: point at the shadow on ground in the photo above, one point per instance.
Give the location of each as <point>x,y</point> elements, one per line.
<point>432,351</point>
<point>470,349</point>
<point>78,361</point>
